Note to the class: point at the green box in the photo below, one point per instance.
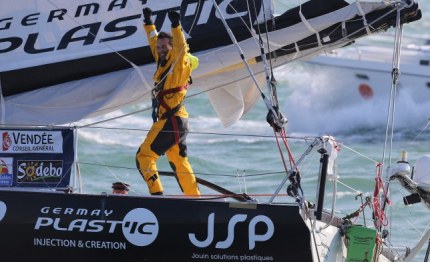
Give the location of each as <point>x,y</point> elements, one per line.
<point>361,242</point>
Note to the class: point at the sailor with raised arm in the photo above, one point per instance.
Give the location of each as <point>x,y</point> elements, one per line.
<point>170,128</point>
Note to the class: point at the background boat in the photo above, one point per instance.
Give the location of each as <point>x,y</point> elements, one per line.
<point>362,72</point>
<point>368,68</point>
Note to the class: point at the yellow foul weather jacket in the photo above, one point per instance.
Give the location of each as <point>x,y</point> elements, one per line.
<point>178,67</point>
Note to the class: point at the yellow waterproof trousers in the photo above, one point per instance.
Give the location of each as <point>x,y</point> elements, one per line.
<point>161,139</point>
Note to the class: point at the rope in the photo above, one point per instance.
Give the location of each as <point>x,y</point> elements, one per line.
<point>287,146</point>
<point>360,154</point>
<point>426,258</point>
<point>196,173</point>
<point>280,152</point>
<point>389,133</point>
<point>360,9</point>
<point>268,68</point>
<point>349,187</point>
<point>380,219</point>
<point>288,176</point>
<point>304,138</point>
<point>309,26</point>
<point>242,56</point>
<point>424,128</point>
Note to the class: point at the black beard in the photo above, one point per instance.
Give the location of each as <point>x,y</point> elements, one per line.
<point>162,61</point>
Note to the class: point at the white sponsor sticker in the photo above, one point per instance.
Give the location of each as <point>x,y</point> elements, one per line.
<point>16,141</point>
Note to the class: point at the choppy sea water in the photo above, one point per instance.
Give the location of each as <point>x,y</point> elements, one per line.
<point>245,157</point>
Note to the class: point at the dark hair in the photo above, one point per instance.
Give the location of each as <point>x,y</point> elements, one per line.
<point>162,35</point>
<point>120,186</point>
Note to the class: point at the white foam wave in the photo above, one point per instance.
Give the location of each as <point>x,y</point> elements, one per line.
<point>316,104</point>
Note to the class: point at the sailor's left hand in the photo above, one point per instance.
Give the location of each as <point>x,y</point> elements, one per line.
<point>174,17</point>
<point>147,12</point>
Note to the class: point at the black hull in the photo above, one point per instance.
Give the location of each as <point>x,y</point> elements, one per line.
<point>75,227</point>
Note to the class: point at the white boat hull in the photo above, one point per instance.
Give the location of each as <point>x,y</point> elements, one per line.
<point>362,74</point>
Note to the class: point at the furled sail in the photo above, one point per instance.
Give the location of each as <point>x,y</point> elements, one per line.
<point>62,61</point>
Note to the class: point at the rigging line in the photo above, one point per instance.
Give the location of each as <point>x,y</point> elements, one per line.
<point>251,30</point>
<point>267,70</point>
<point>315,143</point>
<point>114,118</point>
<point>195,132</point>
<point>96,156</point>
<point>411,224</point>
<point>203,197</point>
<point>425,127</point>
<point>267,38</point>
<point>358,153</point>
<point>207,133</point>
<point>287,146</point>
<point>196,173</point>
<point>396,73</point>
<point>280,152</point>
<point>249,12</point>
<point>392,104</point>
<point>421,232</point>
<point>233,39</point>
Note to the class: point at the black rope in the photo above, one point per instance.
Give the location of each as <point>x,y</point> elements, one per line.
<point>426,259</point>
<point>239,197</point>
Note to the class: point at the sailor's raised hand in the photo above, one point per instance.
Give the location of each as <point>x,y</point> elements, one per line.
<point>174,17</point>
<point>147,13</point>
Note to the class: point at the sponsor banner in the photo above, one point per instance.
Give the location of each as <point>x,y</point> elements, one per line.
<point>6,171</point>
<point>24,141</point>
<point>142,229</point>
<point>36,157</point>
<point>39,171</point>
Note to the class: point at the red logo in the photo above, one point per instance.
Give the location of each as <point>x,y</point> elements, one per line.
<point>365,91</point>
<point>7,141</point>
<point>3,167</point>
